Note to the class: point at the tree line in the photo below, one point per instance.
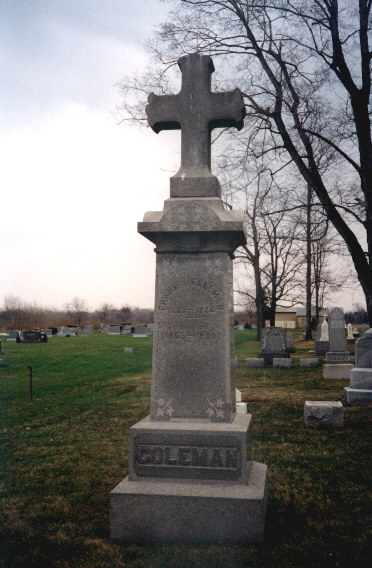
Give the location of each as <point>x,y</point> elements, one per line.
<point>18,314</point>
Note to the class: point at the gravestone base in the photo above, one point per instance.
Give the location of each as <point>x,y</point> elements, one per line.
<point>337,371</point>
<point>166,511</point>
<point>358,395</point>
<point>269,356</point>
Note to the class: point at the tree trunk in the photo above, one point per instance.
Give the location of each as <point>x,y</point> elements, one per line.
<point>308,334</point>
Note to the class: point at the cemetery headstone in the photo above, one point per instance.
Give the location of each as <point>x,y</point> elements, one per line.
<point>338,365</point>
<point>13,334</point>
<point>350,335</point>
<point>113,330</point>
<point>363,351</point>
<point>337,341</point>
<point>88,330</point>
<point>190,475</point>
<point>274,345</point>
<point>322,344</point>
<point>365,328</point>
<point>290,346</point>
<point>140,331</point>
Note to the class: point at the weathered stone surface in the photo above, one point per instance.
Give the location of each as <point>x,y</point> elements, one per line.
<point>254,362</point>
<point>290,346</point>
<point>337,371</point>
<point>281,363</point>
<point>337,340</point>
<point>324,414</point>
<point>128,350</point>
<point>321,347</point>
<point>191,374</point>
<point>358,395</point>
<point>363,351</point>
<point>241,408</point>
<point>337,357</point>
<point>361,378</point>
<point>313,362</point>
<point>184,512</point>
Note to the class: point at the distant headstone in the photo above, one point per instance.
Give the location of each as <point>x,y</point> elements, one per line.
<point>113,330</point>
<point>290,342</point>
<point>365,327</point>
<point>140,331</point>
<point>88,330</point>
<point>128,350</point>
<point>363,351</point>
<point>318,331</point>
<point>337,340</point>
<point>274,345</point>
<point>350,336</point>
<point>30,336</point>
<point>13,334</point>
<point>255,362</point>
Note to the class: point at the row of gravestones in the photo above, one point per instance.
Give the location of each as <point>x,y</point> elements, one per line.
<point>338,361</point>
<point>67,331</point>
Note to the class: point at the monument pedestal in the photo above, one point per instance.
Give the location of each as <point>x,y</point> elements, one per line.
<point>174,511</point>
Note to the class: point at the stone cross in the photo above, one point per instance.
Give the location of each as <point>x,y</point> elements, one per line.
<point>196,111</point>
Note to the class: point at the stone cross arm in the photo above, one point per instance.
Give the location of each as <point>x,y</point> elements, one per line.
<point>196,111</point>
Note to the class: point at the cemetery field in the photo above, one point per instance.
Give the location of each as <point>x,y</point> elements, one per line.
<point>64,450</point>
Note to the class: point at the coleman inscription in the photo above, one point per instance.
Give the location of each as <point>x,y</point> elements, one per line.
<point>184,456</point>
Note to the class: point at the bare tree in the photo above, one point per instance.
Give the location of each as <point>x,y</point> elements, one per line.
<point>77,309</point>
<point>305,69</point>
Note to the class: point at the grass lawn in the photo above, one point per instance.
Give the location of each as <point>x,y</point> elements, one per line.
<point>64,450</point>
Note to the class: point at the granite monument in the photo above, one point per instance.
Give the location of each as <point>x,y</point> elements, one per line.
<point>191,477</point>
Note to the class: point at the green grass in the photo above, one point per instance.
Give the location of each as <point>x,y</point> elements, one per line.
<point>66,449</point>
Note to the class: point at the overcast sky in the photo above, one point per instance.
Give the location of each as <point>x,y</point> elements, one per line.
<point>74,183</point>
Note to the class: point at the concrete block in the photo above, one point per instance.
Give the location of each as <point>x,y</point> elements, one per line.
<point>358,395</point>
<point>324,414</point>
<point>279,362</point>
<point>361,378</point>
<point>314,362</point>
<point>238,395</point>
<point>337,371</point>
<point>161,511</point>
<point>128,350</point>
<point>241,408</point>
<point>254,362</point>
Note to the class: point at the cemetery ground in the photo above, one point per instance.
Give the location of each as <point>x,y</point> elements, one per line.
<point>63,451</point>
